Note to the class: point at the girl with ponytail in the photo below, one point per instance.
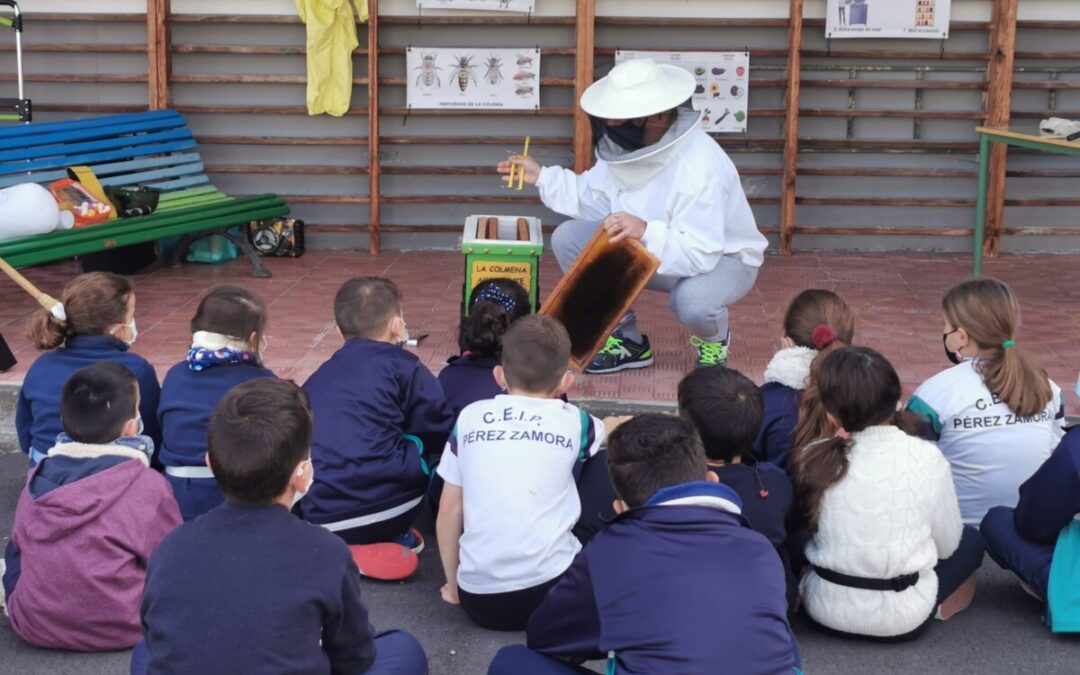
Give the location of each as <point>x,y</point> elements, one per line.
<point>493,306</point>
<point>95,321</point>
<point>816,322</point>
<point>888,549</point>
<point>996,413</point>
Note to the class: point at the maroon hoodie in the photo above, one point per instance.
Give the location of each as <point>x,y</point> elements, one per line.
<point>83,547</point>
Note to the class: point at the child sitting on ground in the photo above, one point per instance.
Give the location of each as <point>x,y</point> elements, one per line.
<point>997,415</point>
<point>1025,539</point>
<point>97,323</point>
<point>677,583</point>
<point>495,304</point>
<point>227,331</point>
<point>726,407</point>
<point>248,587</point>
<point>815,322</point>
<point>88,519</point>
<point>509,478</point>
<point>888,549</point>
<point>379,417</point>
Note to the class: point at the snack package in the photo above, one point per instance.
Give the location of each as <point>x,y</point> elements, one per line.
<point>73,197</point>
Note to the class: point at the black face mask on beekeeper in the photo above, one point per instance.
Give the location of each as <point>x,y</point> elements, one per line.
<point>627,135</point>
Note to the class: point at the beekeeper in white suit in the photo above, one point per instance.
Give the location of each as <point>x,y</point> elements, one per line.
<point>661,179</point>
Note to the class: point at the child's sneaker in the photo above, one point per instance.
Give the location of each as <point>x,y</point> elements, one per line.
<point>621,353</point>
<point>386,561</point>
<point>411,539</point>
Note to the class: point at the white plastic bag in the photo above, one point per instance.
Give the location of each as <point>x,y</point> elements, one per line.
<point>28,209</point>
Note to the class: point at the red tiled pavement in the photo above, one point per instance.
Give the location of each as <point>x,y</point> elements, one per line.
<point>896,297</point>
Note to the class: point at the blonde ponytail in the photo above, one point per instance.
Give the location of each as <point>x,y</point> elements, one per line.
<point>1017,379</point>
<point>989,313</point>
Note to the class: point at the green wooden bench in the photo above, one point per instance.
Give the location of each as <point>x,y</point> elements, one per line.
<point>154,149</point>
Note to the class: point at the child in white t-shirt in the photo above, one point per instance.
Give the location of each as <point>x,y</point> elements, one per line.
<point>510,502</point>
<point>997,415</point>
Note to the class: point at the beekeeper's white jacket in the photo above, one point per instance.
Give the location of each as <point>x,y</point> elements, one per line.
<point>684,186</point>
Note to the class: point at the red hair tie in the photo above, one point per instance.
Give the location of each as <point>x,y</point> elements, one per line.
<point>823,336</point>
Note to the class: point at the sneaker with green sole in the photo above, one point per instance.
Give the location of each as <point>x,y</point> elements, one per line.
<point>710,354</point>
<point>621,353</point>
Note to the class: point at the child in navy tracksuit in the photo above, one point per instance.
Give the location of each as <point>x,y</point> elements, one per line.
<point>248,587</point>
<point>1023,539</point>
<point>495,304</point>
<point>379,416</point>
<point>725,407</point>
<point>227,330</point>
<point>677,583</point>
<point>95,321</point>
<point>816,320</point>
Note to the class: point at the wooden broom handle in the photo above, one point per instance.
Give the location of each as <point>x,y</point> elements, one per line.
<point>43,299</point>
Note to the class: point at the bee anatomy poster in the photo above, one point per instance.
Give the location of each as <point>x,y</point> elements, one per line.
<point>887,19</point>
<point>471,77</point>
<point>723,84</point>
<point>490,5</point>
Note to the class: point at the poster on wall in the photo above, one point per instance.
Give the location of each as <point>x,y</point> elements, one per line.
<point>887,18</point>
<point>723,84</point>
<point>489,5</point>
<point>471,77</point>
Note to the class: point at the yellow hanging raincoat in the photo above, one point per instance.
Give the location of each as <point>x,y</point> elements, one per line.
<point>331,39</point>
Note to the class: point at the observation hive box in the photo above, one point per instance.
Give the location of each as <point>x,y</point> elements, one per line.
<point>502,247</point>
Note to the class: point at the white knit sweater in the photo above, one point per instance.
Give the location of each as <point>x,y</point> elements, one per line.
<point>895,512</point>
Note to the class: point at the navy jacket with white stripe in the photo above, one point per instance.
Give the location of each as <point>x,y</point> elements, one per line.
<point>379,413</point>
<point>680,584</point>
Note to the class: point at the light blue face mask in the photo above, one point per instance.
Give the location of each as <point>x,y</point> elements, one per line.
<point>142,427</point>
<point>1078,386</point>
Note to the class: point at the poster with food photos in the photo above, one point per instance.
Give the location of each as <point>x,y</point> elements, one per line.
<point>722,91</point>
<point>472,78</point>
<point>887,18</point>
<point>486,5</point>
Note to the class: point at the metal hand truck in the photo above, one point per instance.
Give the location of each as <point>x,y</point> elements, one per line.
<point>15,109</point>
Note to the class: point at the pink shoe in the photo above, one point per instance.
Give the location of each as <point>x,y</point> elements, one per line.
<point>385,561</point>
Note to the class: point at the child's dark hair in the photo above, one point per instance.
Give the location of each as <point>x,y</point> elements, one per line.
<point>651,452</point>
<point>726,409</point>
<point>365,305</point>
<point>860,388</point>
<point>494,305</point>
<point>816,319</point>
<point>259,431</point>
<point>989,312</point>
<point>232,311</point>
<point>93,303</point>
<point>97,401</point>
<point>535,353</point>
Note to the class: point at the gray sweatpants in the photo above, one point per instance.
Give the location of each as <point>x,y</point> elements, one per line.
<point>699,303</point>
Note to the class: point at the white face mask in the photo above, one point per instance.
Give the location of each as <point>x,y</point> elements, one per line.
<point>134,332</point>
<point>297,496</point>
<point>142,427</point>
<point>403,339</point>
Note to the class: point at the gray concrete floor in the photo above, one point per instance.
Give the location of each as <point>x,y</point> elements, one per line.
<point>1000,633</point>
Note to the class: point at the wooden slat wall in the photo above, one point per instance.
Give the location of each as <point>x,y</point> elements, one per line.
<point>881,127</point>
